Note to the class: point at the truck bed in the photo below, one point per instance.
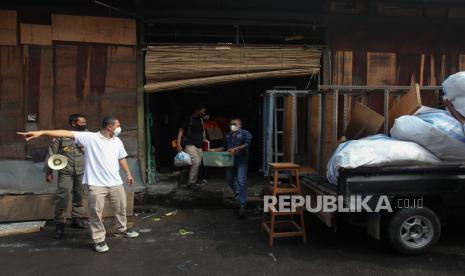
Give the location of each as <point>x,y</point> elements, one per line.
<point>446,181</point>
<point>402,180</point>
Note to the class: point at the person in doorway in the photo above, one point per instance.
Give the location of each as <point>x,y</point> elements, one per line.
<point>191,135</point>
<point>105,155</point>
<point>237,142</point>
<point>69,178</point>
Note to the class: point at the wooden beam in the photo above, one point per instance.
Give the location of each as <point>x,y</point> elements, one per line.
<point>117,31</point>
<point>36,34</point>
<point>288,137</point>
<point>315,130</point>
<point>141,134</point>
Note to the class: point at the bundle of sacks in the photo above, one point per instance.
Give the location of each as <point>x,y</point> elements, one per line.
<point>434,129</point>
<point>374,151</point>
<point>429,136</point>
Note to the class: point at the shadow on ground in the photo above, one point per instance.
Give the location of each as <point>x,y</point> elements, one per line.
<point>214,242</point>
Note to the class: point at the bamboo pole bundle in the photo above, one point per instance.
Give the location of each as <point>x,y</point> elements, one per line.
<point>174,67</point>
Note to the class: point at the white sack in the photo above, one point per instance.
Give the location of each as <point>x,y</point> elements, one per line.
<point>434,129</point>
<point>454,90</point>
<point>377,150</point>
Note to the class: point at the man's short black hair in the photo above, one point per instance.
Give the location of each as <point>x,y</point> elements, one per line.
<point>74,117</point>
<point>236,119</point>
<point>199,107</point>
<point>110,120</point>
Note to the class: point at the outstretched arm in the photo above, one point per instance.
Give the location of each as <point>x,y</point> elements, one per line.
<point>52,133</point>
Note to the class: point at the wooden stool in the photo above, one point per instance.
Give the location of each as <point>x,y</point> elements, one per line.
<point>277,189</point>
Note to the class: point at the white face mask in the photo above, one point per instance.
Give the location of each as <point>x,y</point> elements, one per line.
<point>117,132</point>
<point>234,128</point>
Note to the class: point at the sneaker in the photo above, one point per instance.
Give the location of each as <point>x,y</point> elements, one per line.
<point>193,187</point>
<point>101,247</point>
<point>127,234</point>
<point>202,182</point>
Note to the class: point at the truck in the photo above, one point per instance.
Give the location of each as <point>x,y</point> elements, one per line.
<point>423,198</point>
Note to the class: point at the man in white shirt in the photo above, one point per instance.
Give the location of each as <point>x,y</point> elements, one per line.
<point>105,154</point>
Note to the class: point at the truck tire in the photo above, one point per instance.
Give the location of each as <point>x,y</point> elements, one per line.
<point>413,231</point>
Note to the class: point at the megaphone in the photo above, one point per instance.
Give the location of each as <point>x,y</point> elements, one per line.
<point>57,162</point>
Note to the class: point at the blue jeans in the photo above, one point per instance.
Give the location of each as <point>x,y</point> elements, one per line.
<point>237,180</point>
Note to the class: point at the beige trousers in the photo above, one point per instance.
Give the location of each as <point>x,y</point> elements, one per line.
<point>96,198</point>
<point>196,155</point>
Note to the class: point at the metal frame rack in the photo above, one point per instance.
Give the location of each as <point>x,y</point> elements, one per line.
<point>271,149</point>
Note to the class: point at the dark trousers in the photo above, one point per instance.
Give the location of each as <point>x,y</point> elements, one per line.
<point>69,184</point>
<point>236,177</point>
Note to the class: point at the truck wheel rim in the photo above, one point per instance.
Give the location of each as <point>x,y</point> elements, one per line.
<point>416,231</point>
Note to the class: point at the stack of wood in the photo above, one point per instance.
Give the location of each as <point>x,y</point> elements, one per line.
<point>180,66</point>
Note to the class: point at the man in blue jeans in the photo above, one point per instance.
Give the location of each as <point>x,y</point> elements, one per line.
<point>237,142</point>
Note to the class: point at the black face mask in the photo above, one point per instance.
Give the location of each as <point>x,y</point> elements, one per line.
<point>80,127</point>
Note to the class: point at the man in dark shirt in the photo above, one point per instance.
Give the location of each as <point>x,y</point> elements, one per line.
<point>190,137</point>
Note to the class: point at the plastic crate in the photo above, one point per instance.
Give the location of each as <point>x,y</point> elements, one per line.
<point>218,159</point>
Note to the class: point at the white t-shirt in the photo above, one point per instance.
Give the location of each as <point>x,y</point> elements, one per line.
<point>101,158</point>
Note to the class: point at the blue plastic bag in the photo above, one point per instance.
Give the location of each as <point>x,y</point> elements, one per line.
<point>182,159</point>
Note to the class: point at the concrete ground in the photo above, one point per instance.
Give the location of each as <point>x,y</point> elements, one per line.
<point>212,241</point>
<point>171,190</point>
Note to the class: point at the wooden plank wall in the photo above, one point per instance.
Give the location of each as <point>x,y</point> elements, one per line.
<point>381,70</point>
<point>8,28</point>
<point>38,92</point>
<point>398,51</point>
<point>11,103</point>
<point>42,81</point>
<point>97,81</point>
<point>341,75</point>
<point>388,68</point>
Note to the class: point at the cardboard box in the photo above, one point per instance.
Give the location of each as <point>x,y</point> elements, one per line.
<point>363,122</point>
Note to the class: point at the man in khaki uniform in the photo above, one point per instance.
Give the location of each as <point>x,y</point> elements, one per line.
<point>69,178</point>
